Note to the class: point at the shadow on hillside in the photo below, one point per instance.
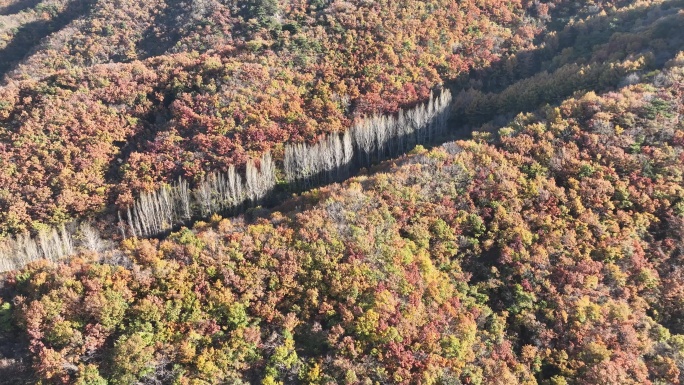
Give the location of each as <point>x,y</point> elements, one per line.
<point>580,39</point>
<point>31,34</point>
<point>163,33</point>
<point>15,364</point>
<point>18,6</point>
<point>532,79</point>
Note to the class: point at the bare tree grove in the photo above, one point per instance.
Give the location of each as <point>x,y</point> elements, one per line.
<point>330,159</point>
<point>369,140</point>
<point>159,211</point>
<point>51,244</point>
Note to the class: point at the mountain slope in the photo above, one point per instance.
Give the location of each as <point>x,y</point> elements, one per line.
<point>119,97</point>
<point>552,254</point>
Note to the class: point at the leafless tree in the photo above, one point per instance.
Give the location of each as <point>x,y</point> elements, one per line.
<point>49,244</point>
<point>133,224</point>
<point>364,139</point>
<point>90,238</point>
<point>260,180</point>
<point>234,187</point>
<point>54,244</point>
<point>399,133</point>
<point>348,150</point>
<point>301,163</point>
<point>373,138</point>
<point>154,212</point>
<point>381,130</point>
<point>183,198</point>
<point>336,148</point>
<point>66,242</point>
<point>203,196</point>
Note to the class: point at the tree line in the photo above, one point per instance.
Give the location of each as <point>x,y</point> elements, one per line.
<point>159,211</point>
<point>50,243</point>
<point>369,140</point>
<point>330,159</point>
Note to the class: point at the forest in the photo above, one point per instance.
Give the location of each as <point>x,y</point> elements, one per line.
<point>341,192</point>
<point>93,115</point>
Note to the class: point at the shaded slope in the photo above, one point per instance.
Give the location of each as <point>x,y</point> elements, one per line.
<point>29,35</point>
<point>18,6</point>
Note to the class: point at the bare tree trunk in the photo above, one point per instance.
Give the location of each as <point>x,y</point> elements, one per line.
<point>260,181</point>
<point>203,197</point>
<point>183,197</point>
<point>235,187</point>
<point>67,242</point>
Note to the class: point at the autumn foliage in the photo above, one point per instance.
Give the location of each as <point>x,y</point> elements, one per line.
<point>546,248</point>
<point>550,253</point>
<point>120,97</point>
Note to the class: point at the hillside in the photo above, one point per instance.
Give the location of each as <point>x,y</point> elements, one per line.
<point>551,254</point>
<point>304,192</point>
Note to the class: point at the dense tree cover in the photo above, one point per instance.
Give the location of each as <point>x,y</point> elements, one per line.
<point>597,53</point>
<point>108,99</point>
<point>549,253</point>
